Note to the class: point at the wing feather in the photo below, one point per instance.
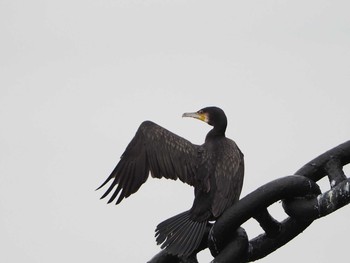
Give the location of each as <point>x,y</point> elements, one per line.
<point>229,177</point>
<point>156,150</point>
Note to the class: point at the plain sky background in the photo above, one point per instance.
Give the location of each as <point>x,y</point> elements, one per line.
<point>78,77</point>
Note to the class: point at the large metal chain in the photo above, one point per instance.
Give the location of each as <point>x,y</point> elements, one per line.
<point>301,199</point>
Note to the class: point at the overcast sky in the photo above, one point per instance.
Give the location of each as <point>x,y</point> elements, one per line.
<point>78,77</point>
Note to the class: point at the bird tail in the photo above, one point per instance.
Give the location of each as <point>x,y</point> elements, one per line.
<point>180,235</point>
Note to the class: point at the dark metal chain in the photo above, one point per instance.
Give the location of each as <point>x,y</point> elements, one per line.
<point>301,198</point>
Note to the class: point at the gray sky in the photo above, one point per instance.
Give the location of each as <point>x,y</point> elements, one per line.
<point>78,77</point>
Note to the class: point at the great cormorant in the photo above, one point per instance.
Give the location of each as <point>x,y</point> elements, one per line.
<point>215,169</point>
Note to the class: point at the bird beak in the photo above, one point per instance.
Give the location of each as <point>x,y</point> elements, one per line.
<point>196,115</point>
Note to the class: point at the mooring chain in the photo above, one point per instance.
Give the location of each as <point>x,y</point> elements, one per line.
<point>301,199</point>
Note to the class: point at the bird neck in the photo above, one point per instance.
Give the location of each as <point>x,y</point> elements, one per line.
<point>216,132</point>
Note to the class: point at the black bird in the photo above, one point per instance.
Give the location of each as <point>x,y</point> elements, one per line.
<point>215,169</point>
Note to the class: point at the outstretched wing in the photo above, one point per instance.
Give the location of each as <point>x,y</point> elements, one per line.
<point>156,150</point>
<point>229,177</point>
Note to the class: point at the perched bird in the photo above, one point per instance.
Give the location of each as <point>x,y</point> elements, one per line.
<point>215,169</point>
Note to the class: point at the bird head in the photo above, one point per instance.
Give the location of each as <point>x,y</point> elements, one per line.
<point>214,116</point>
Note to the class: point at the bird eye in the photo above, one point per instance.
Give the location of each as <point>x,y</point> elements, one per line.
<point>200,112</point>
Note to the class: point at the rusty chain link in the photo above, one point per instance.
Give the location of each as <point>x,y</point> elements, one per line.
<point>301,199</point>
